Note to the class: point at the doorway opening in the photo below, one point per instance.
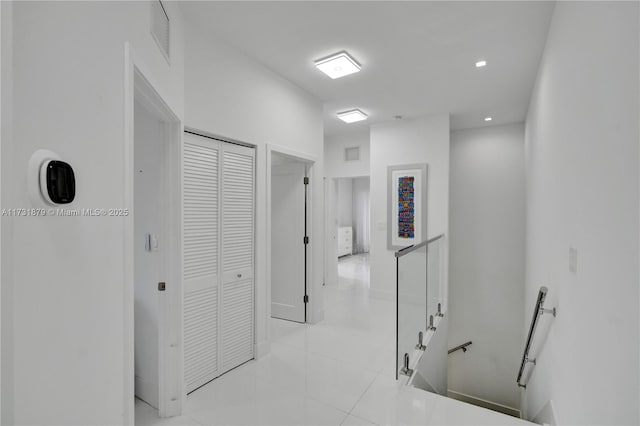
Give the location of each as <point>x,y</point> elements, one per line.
<point>149,258</point>
<point>153,260</point>
<point>350,229</point>
<point>290,227</point>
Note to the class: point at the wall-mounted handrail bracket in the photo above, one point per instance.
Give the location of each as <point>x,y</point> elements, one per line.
<point>420,345</point>
<point>537,313</point>
<point>462,347</point>
<point>431,327</point>
<point>439,313</point>
<point>551,311</point>
<point>405,369</point>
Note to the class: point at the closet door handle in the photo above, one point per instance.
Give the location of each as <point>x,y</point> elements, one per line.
<point>239,275</point>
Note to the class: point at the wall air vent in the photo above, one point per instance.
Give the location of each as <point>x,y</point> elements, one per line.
<point>160,27</point>
<point>352,154</point>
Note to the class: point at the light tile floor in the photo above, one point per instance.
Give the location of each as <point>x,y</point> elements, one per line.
<point>337,372</point>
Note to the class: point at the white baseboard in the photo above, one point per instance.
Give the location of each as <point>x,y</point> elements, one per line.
<point>261,349</point>
<point>484,403</point>
<point>317,317</point>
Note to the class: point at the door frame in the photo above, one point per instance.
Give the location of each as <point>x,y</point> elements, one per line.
<point>310,161</point>
<point>140,84</point>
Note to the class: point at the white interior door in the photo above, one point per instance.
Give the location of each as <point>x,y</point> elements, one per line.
<point>201,260</point>
<point>238,206</point>
<point>287,242</point>
<point>219,206</point>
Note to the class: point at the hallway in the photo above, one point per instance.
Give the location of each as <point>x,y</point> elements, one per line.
<point>337,372</point>
<point>140,140</point>
<point>321,372</point>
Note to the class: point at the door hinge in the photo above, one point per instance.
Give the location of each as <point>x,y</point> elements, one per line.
<point>306,180</point>
<point>306,240</point>
<point>306,298</point>
<point>162,286</point>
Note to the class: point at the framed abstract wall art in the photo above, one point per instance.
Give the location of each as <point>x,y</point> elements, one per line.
<point>407,201</point>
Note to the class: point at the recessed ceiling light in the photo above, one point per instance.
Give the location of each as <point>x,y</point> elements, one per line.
<point>352,116</point>
<point>481,64</point>
<point>338,65</point>
<point>488,118</point>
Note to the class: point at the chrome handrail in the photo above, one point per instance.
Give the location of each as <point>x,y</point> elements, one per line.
<point>537,312</point>
<point>462,346</point>
<point>406,250</point>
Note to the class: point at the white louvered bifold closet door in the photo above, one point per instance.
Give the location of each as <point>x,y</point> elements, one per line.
<point>201,260</point>
<point>219,204</point>
<point>237,255</point>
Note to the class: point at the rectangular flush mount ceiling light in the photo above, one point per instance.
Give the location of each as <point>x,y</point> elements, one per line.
<point>338,65</point>
<point>352,116</point>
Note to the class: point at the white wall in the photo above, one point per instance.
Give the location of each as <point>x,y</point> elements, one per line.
<point>228,94</point>
<point>2,133</point>
<point>486,263</point>
<point>335,164</point>
<point>583,192</point>
<point>361,213</point>
<point>345,202</point>
<point>69,305</point>
<point>6,134</point>
<point>66,282</point>
<point>422,140</point>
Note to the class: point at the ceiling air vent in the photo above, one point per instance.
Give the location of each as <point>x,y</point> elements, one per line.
<point>160,27</point>
<point>352,154</point>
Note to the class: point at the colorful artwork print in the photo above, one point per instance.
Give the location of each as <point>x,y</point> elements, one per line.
<point>406,207</point>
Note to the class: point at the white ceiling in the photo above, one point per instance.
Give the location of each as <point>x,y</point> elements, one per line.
<point>417,58</point>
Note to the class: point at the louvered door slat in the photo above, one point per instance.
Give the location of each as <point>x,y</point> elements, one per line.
<point>201,329</point>
<point>238,203</point>
<point>237,324</point>
<point>201,247</point>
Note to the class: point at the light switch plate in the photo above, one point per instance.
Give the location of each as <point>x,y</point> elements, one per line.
<point>151,242</point>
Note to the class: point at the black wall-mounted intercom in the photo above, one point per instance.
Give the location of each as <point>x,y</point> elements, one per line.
<point>60,182</point>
